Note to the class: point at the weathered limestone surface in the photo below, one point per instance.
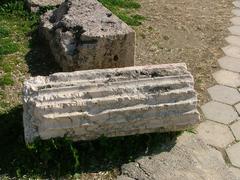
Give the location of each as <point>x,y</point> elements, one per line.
<point>189,159</point>
<point>85,105</point>
<point>35,5</point>
<point>85,35</point>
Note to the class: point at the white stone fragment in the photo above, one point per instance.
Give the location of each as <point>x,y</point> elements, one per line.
<point>85,105</point>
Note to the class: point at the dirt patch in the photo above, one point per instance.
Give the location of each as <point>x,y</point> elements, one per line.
<point>187,31</point>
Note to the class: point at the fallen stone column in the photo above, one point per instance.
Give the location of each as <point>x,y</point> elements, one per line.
<point>85,35</point>
<point>85,105</point>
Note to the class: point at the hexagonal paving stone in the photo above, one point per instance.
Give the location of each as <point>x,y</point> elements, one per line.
<point>233,153</point>
<point>235,171</point>
<point>237,106</point>
<point>224,94</point>
<point>215,134</point>
<point>235,20</point>
<point>219,112</point>
<point>235,30</point>
<point>227,78</point>
<point>236,12</point>
<point>232,51</point>
<point>236,4</point>
<point>233,40</point>
<point>230,63</point>
<point>235,127</point>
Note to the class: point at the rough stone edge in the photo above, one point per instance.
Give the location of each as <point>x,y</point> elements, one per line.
<point>46,27</point>
<point>30,137</point>
<point>32,7</point>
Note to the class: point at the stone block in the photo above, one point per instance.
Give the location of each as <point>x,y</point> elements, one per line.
<point>85,35</point>
<point>85,105</point>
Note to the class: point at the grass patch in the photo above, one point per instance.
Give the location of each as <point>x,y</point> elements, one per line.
<point>13,7</point>
<point>134,20</point>
<point>125,10</point>
<point>62,158</point>
<point>4,32</point>
<point>6,80</point>
<point>8,46</point>
<point>129,4</point>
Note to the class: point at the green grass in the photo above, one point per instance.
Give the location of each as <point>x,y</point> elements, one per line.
<point>7,46</point>
<point>4,32</point>
<point>6,79</point>
<point>63,158</point>
<point>128,4</point>
<point>15,26</point>
<point>125,10</point>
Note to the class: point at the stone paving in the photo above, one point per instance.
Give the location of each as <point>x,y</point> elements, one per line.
<point>214,151</point>
<point>221,129</point>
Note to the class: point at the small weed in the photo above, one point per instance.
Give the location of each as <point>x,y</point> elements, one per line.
<point>192,130</point>
<point>6,67</point>
<point>6,80</point>
<point>133,20</point>
<point>4,32</point>
<point>124,9</point>
<point>7,46</point>
<point>129,4</point>
<point>13,7</point>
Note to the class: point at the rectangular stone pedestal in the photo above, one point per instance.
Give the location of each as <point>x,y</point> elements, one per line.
<point>85,35</point>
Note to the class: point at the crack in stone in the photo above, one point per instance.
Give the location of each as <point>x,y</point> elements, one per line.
<point>143,170</point>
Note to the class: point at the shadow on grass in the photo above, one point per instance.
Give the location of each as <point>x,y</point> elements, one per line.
<point>60,157</point>
<point>39,59</point>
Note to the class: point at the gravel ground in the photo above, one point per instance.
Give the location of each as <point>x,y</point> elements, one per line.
<point>187,31</point>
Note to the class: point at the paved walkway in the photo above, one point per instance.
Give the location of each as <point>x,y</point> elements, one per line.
<point>221,129</point>
<point>214,151</point>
